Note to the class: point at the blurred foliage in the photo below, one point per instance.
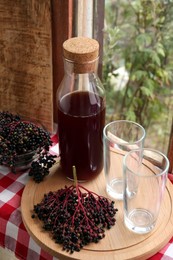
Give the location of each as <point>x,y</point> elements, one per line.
<point>139,37</point>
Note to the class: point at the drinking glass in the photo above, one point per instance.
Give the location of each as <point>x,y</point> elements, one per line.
<point>119,137</point>
<point>145,176</point>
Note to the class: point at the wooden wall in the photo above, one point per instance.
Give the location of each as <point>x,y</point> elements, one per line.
<point>26,59</point>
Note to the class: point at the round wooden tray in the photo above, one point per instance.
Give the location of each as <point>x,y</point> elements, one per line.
<point>119,242</point>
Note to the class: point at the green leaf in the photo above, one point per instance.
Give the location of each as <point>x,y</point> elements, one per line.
<point>155,58</point>
<point>161,52</point>
<point>147,92</point>
<point>136,5</point>
<point>149,83</point>
<point>143,40</point>
<point>130,115</point>
<point>130,93</point>
<point>160,73</point>
<point>138,75</point>
<point>160,49</point>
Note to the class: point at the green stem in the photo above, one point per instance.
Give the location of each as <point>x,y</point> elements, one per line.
<point>74,176</point>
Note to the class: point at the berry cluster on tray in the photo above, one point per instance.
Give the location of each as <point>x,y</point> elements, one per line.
<point>75,216</point>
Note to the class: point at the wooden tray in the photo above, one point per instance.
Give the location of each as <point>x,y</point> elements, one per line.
<point>119,242</point>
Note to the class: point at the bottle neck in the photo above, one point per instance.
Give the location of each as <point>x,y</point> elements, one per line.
<point>71,67</point>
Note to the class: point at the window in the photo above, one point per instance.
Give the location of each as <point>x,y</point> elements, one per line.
<point>137,65</point>
<point>122,28</point>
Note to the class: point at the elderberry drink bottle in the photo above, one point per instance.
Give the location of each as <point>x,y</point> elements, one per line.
<point>81,110</point>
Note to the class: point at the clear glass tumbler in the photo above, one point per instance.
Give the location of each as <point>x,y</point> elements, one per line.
<point>144,184</point>
<point>119,137</point>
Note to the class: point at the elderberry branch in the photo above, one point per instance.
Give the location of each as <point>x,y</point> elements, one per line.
<point>75,218</point>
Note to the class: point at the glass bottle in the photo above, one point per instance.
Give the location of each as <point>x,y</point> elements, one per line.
<point>81,110</point>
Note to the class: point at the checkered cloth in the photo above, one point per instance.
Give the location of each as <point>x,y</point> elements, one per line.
<point>13,234</point>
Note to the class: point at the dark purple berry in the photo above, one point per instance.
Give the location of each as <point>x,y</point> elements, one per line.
<point>18,137</point>
<point>76,216</point>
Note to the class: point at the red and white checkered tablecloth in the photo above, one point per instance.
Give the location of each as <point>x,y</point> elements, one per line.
<point>13,234</point>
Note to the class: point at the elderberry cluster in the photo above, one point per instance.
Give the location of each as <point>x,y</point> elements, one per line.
<point>75,218</point>
<point>40,168</point>
<point>6,118</point>
<point>20,140</point>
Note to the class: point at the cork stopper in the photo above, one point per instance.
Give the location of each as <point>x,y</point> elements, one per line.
<point>83,52</point>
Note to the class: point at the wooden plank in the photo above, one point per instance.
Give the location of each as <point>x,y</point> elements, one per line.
<point>25,59</point>
<point>61,31</point>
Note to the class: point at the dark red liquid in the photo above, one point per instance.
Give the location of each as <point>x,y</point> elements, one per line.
<point>81,118</point>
